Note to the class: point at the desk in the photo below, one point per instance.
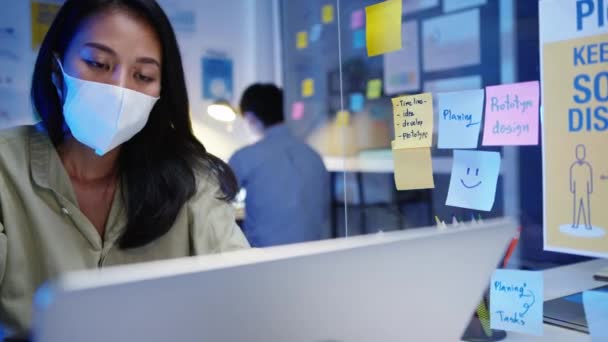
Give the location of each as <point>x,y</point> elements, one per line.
<point>559,282</point>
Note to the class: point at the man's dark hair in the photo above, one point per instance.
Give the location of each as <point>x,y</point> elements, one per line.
<point>265,101</point>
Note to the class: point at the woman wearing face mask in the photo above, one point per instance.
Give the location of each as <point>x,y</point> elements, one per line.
<point>113,173</point>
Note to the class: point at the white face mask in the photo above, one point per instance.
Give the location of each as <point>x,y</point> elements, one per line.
<point>103,116</point>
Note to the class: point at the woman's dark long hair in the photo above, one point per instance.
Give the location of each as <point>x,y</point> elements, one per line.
<point>158,165</point>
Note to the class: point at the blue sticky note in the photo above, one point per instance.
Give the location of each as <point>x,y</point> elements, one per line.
<point>596,312</point>
<point>359,39</point>
<point>356,102</point>
<point>459,116</point>
<point>473,180</point>
<point>315,32</point>
<point>516,301</point>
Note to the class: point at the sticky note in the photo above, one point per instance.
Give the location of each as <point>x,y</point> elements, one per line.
<point>511,114</point>
<point>358,39</point>
<point>297,110</point>
<point>413,168</point>
<point>516,301</point>
<point>383,27</point>
<point>356,19</point>
<point>356,102</point>
<point>459,116</point>
<point>343,118</point>
<point>473,180</point>
<point>302,40</point>
<point>374,89</point>
<point>596,313</point>
<point>315,32</point>
<point>413,120</point>
<point>327,14</point>
<point>308,87</point>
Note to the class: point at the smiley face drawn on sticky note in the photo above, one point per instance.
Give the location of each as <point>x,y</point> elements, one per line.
<point>474,179</point>
<point>468,174</point>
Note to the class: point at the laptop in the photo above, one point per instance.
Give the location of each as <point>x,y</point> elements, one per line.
<point>415,285</point>
<point>568,312</point>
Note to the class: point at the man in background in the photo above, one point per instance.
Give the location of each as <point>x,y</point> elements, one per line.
<point>288,190</point>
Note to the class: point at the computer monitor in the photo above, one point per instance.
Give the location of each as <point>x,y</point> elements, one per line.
<point>415,285</point>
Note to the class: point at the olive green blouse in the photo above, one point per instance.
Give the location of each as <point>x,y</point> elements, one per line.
<point>43,233</point>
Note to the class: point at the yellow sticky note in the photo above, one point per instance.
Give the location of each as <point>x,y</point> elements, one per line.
<point>413,120</point>
<point>343,118</point>
<point>413,168</point>
<point>42,16</point>
<point>327,14</point>
<point>308,87</point>
<point>374,89</point>
<point>302,40</point>
<point>383,29</point>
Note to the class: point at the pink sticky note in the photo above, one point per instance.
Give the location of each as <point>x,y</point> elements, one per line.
<point>297,110</point>
<point>511,114</point>
<point>356,19</point>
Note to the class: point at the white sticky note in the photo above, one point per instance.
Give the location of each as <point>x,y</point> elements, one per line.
<point>473,180</point>
<point>516,301</point>
<point>459,116</point>
<point>596,313</point>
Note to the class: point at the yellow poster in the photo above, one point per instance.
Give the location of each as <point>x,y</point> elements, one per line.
<point>575,130</point>
<point>43,13</point>
<point>383,27</point>
<point>327,14</point>
<point>308,87</point>
<point>302,40</point>
<point>413,120</point>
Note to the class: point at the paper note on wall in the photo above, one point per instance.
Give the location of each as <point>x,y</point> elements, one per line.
<point>401,68</point>
<point>374,89</point>
<point>413,168</point>
<point>43,15</point>
<point>297,110</point>
<point>516,301</point>
<point>358,39</point>
<point>342,118</point>
<point>357,19</point>
<point>302,40</point>
<point>383,27</point>
<point>327,14</point>
<point>596,313</point>
<point>511,114</point>
<point>356,102</point>
<point>413,120</point>
<point>315,32</point>
<point>308,87</point>
<point>473,180</point>
<point>459,116</point>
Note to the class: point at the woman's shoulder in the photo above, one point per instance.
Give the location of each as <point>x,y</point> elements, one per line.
<point>14,136</point>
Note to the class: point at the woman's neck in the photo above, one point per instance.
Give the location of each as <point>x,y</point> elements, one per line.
<point>84,165</point>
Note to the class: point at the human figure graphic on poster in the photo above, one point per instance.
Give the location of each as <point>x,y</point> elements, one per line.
<point>581,187</point>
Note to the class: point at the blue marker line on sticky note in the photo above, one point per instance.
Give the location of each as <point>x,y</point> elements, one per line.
<point>356,102</point>
<point>596,313</point>
<point>358,39</point>
<point>459,116</point>
<point>516,301</point>
<point>473,180</point>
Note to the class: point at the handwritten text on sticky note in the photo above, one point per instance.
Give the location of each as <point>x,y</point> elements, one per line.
<point>383,27</point>
<point>459,118</point>
<point>511,114</point>
<point>596,312</point>
<point>413,120</point>
<point>516,301</point>
<point>473,180</point>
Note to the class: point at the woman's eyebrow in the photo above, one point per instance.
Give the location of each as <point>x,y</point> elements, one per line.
<point>100,47</point>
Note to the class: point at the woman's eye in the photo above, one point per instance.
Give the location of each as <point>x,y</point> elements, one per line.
<point>144,78</point>
<point>97,65</point>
